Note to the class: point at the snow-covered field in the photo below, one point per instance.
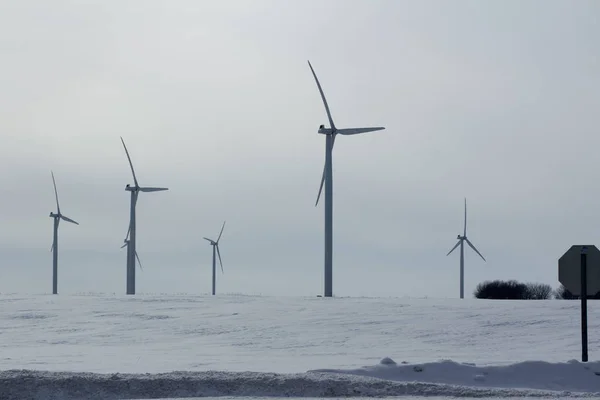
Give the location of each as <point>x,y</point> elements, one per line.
<point>106,346</point>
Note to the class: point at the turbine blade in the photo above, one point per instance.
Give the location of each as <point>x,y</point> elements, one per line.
<point>52,247</point>
<point>130,164</point>
<point>55,193</point>
<point>220,262</point>
<point>68,219</point>
<point>126,240</point>
<point>152,189</point>
<point>465,231</point>
<point>473,247</point>
<point>354,131</point>
<point>323,97</point>
<point>323,177</point>
<point>455,246</point>
<point>223,227</point>
<point>205,238</point>
<point>320,187</point>
<point>139,262</point>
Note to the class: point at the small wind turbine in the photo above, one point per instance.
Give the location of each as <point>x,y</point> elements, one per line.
<point>54,249</point>
<point>461,240</point>
<point>215,245</point>
<point>131,251</point>
<point>126,244</point>
<point>327,179</point>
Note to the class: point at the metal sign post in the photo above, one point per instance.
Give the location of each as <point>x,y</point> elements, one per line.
<point>584,338</point>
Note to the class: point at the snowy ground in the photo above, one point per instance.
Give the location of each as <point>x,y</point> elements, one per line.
<point>492,344</point>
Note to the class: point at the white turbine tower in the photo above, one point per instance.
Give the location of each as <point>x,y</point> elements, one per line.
<point>215,245</point>
<point>327,179</point>
<point>461,240</point>
<point>131,250</point>
<point>54,249</point>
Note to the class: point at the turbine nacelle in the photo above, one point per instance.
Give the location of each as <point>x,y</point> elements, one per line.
<point>347,131</point>
<point>325,131</point>
<point>130,188</point>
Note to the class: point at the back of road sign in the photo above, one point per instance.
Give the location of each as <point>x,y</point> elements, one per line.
<point>569,270</point>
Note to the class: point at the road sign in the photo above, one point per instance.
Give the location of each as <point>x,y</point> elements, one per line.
<point>581,264</point>
<point>569,269</point>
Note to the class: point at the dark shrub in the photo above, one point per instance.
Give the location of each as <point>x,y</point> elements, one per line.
<point>501,290</point>
<point>513,290</point>
<point>538,291</point>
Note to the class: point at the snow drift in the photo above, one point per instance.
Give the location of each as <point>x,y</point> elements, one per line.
<point>571,376</point>
<point>25,384</point>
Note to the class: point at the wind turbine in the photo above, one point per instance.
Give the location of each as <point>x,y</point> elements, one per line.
<point>131,251</point>
<point>54,249</point>
<point>461,240</point>
<point>327,179</point>
<point>215,245</point>
<point>126,244</point>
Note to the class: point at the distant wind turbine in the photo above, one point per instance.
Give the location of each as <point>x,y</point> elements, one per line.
<point>131,249</point>
<point>126,244</point>
<point>54,249</point>
<point>461,240</point>
<point>327,179</point>
<point>215,245</point>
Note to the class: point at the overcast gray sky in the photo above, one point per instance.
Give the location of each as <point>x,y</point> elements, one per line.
<point>496,101</point>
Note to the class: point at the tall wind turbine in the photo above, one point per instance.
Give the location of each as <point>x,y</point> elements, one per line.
<point>131,251</point>
<point>461,240</point>
<point>215,245</point>
<point>54,249</point>
<point>327,179</point>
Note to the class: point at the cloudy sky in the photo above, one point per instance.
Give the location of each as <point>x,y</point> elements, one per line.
<point>495,101</point>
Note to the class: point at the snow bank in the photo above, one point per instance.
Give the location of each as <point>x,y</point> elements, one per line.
<point>572,376</point>
<point>26,384</point>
